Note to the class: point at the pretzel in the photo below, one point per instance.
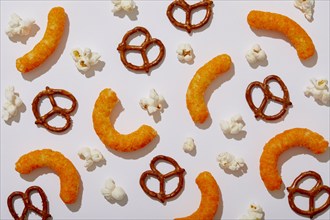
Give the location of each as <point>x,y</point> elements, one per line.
<point>298,37</point>
<point>28,206</point>
<point>188,9</point>
<point>63,167</point>
<point>312,194</point>
<point>56,110</point>
<point>123,47</point>
<point>282,142</point>
<point>161,195</point>
<point>259,112</point>
<point>210,198</point>
<point>47,45</point>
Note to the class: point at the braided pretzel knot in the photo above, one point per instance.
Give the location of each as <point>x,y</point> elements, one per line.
<point>259,112</point>
<point>28,206</point>
<point>188,9</point>
<point>161,195</point>
<point>56,110</point>
<point>123,47</point>
<point>311,194</point>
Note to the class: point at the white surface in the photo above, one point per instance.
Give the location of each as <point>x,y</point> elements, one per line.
<point>93,25</point>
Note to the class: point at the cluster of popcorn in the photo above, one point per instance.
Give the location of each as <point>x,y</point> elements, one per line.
<point>232,126</point>
<point>126,5</point>
<point>12,103</point>
<point>112,192</point>
<point>319,90</point>
<point>18,26</point>
<point>84,60</point>
<point>307,7</point>
<point>90,156</point>
<point>255,212</point>
<point>229,161</point>
<point>189,145</point>
<point>153,103</point>
<point>256,54</point>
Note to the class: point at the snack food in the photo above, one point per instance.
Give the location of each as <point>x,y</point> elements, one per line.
<point>255,211</point>
<point>210,197</point>
<point>189,145</point>
<point>47,45</point>
<point>154,172</point>
<point>256,54</point>
<point>228,161</point>
<point>84,60</point>
<point>112,192</point>
<point>28,205</point>
<point>56,110</point>
<point>18,26</point>
<point>232,126</point>
<point>189,9</point>
<point>90,156</point>
<point>56,161</point>
<point>185,53</point>
<point>312,194</point>
<point>153,103</point>
<point>306,7</point>
<point>259,112</point>
<point>202,79</point>
<point>107,133</point>
<point>12,104</point>
<point>298,37</point>
<point>123,47</point>
<point>126,5</point>
<point>295,137</point>
<point>319,90</point>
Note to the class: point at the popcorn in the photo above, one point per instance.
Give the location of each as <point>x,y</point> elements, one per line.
<point>255,212</point>
<point>319,90</point>
<point>229,161</point>
<point>154,103</point>
<point>126,5</point>
<point>10,107</point>
<point>90,156</point>
<point>233,126</point>
<point>112,192</point>
<point>307,7</point>
<point>84,60</point>
<point>189,145</point>
<point>17,26</point>
<point>255,54</point>
<point>185,52</point>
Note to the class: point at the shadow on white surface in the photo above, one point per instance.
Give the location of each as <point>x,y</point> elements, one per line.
<point>23,39</point>
<point>52,59</point>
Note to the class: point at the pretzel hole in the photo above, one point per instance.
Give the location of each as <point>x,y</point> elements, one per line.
<point>152,52</point>
<point>276,89</point>
<point>18,205</point>
<point>63,101</point>
<point>257,96</point>
<point>197,15</point>
<point>134,57</point>
<point>307,183</point>
<point>37,202</point>
<point>164,167</point>
<point>152,183</point>
<point>301,201</point>
<point>56,120</point>
<point>44,105</point>
<point>179,14</point>
<point>136,39</point>
<point>171,184</point>
<point>321,198</point>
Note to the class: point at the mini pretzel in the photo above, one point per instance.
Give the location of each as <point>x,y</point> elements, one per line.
<point>123,47</point>
<point>161,195</point>
<point>311,194</point>
<point>188,9</point>
<point>28,206</point>
<point>259,112</point>
<point>65,113</point>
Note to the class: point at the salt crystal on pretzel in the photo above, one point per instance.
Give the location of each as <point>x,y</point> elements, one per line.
<point>296,137</point>
<point>210,198</point>
<point>108,134</point>
<point>56,161</point>
<point>202,79</point>
<point>281,23</point>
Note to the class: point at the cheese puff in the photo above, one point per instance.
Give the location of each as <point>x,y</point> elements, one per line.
<point>296,137</point>
<point>298,37</point>
<point>63,167</point>
<point>47,45</point>
<point>108,134</point>
<point>202,79</point>
<point>210,198</point>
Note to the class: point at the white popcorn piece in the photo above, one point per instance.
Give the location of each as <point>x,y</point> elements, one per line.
<point>232,126</point>
<point>19,27</point>
<point>255,212</point>
<point>126,5</point>
<point>185,52</point>
<point>84,60</point>
<point>306,7</point>
<point>90,156</point>
<point>153,103</point>
<point>12,103</point>
<point>112,192</point>
<point>229,161</point>
<point>189,145</point>
<point>256,54</point>
<point>319,90</point>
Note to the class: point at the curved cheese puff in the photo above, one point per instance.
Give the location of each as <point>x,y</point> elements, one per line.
<point>296,137</point>
<point>63,167</point>
<point>293,31</point>
<point>47,45</point>
<point>199,83</point>
<point>107,133</point>
<point>210,198</point>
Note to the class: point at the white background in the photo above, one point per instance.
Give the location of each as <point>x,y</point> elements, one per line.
<point>93,25</point>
